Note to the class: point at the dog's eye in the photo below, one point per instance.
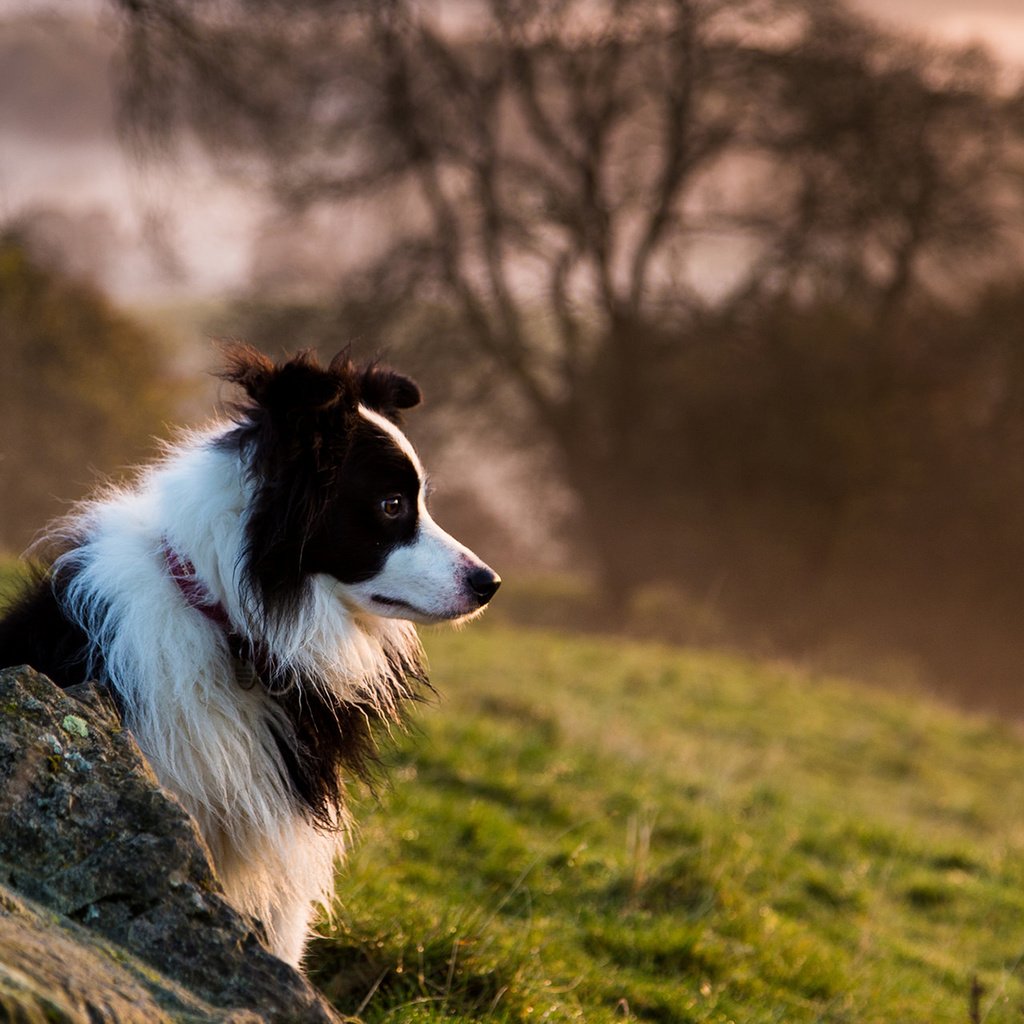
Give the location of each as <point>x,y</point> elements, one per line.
<point>392,506</point>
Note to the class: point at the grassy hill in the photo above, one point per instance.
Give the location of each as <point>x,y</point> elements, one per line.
<point>602,831</point>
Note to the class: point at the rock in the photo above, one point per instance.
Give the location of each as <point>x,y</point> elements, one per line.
<point>109,907</point>
<point>52,970</point>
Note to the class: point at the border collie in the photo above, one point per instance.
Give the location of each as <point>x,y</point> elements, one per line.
<point>250,602</point>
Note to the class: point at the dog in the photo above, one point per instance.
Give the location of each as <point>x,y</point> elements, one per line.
<point>250,603</point>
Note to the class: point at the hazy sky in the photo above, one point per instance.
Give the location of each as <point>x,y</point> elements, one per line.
<point>212,224</point>
<point>998,23</point>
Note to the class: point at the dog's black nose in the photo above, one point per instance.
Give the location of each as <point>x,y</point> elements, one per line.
<point>484,582</point>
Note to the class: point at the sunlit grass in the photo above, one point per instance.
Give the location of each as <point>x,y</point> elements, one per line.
<point>597,831</point>
<point>12,572</point>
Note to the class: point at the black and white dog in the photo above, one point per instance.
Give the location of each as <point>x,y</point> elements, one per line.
<point>250,602</point>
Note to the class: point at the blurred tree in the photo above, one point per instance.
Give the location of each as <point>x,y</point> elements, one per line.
<point>568,174</point>
<point>81,391</point>
<point>899,165</point>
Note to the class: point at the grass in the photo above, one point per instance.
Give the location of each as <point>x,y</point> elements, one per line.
<point>605,831</point>
<point>12,575</point>
<point>609,831</point>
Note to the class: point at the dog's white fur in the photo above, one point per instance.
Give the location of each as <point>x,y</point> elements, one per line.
<point>207,738</point>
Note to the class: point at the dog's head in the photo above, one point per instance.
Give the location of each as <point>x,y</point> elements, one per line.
<point>338,489</point>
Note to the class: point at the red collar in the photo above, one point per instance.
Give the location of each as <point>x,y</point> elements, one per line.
<point>192,588</point>
<point>255,661</point>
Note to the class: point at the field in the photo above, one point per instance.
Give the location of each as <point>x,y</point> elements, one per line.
<point>601,830</point>
<point>588,830</point>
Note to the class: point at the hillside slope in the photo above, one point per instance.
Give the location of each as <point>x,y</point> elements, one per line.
<point>586,830</point>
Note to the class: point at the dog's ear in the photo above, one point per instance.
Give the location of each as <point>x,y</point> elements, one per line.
<point>300,385</point>
<point>387,392</point>
<point>249,369</point>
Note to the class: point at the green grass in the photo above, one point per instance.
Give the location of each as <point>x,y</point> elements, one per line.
<point>12,573</point>
<point>606,831</point>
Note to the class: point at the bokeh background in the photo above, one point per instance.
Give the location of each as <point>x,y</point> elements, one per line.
<point>717,305</point>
